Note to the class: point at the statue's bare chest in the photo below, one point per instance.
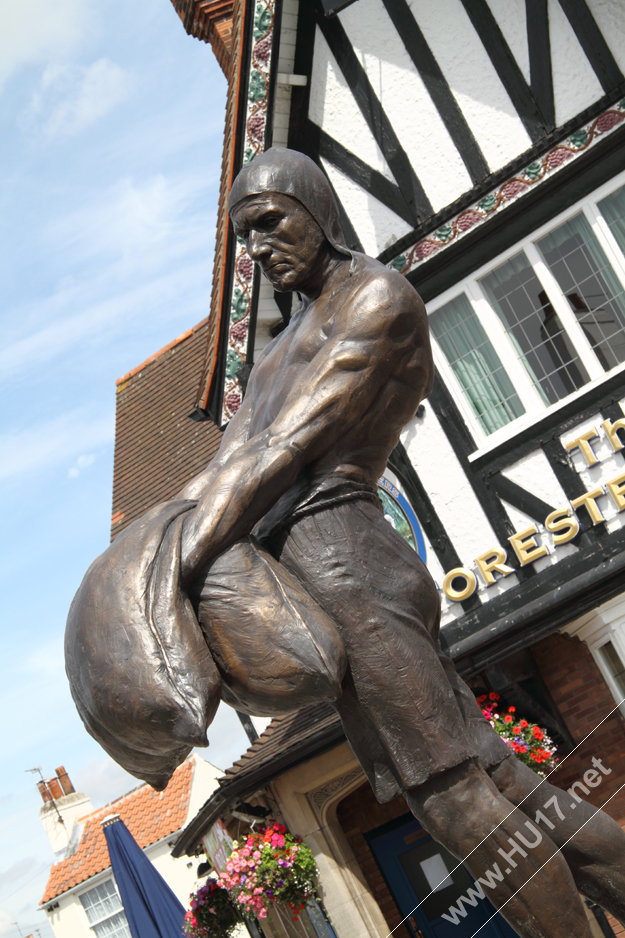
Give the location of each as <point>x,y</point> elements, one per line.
<point>279,371</point>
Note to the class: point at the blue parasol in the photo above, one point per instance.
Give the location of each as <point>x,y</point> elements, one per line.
<point>152,909</point>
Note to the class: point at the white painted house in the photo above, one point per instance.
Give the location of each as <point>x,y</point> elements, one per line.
<point>81,899</point>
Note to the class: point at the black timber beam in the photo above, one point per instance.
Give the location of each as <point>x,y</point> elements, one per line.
<point>438,88</point>
<point>539,53</point>
<point>375,115</point>
<point>592,41</point>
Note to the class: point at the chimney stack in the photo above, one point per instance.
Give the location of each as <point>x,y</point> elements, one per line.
<point>54,788</point>
<point>64,780</point>
<point>62,809</point>
<point>44,792</point>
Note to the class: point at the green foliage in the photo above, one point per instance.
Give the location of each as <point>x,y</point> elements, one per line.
<point>262,21</point>
<point>212,914</point>
<point>528,741</point>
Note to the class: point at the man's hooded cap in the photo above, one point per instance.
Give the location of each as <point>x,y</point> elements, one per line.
<point>292,173</point>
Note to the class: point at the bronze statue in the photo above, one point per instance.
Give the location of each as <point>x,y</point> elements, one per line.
<point>273,580</point>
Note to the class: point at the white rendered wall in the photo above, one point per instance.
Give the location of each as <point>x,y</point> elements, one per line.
<point>609,17</point>
<point>286,57</point>
<point>70,919</point>
<point>71,808</point>
<point>473,81</point>
<point>407,103</point>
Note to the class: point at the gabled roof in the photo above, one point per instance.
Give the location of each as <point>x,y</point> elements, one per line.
<point>210,21</point>
<point>287,741</point>
<point>157,448</point>
<point>149,816</point>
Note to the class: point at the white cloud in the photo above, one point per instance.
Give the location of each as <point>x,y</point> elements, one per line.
<point>135,247</point>
<point>81,463</point>
<point>99,318</point>
<point>7,923</point>
<point>17,871</point>
<point>45,659</point>
<point>102,780</point>
<point>42,446</point>
<point>132,220</point>
<point>34,32</point>
<point>72,97</point>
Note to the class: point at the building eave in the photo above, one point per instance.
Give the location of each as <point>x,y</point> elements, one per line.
<point>246,783</point>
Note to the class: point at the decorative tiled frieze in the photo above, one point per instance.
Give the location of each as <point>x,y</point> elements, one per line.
<point>254,142</point>
<point>513,189</point>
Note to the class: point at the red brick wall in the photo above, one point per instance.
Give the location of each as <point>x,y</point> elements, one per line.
<point>583,698</point>
<point>157,448</point>
<point>357,814</point>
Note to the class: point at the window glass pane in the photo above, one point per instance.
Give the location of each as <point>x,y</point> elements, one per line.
<point>613,210</point>
<point>517,296</point>
<point>615,666</point>
<point>476,364</point>
<point>589,283</point>
<point>114,927</point>
<point>100,901</point>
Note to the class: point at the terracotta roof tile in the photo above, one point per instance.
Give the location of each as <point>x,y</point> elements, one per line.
<point>148,815</point>
<point>157,448</point>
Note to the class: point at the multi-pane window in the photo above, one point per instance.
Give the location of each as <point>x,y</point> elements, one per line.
<point>591,286</point>
<point>544,321</point>
<point>613,210</point>
<point>534,329</point>
<point>105,911</point>
<point>615,667</point>
<point>475,364</point>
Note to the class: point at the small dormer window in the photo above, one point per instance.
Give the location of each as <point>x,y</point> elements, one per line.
<point>105,911</point>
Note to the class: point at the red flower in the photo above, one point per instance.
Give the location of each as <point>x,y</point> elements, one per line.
<point>508,718</point>
<point>482,698</point>
<point>524,724</point>
<point>540,755</point>
<point>516,729</point>
<point>493,696</point>
<point>537,733</point>
<point>511,709</point>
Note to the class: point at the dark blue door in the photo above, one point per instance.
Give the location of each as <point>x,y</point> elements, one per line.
<point>414,865</point>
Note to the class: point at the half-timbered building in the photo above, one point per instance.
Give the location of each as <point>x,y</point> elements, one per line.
<point>478,147</point>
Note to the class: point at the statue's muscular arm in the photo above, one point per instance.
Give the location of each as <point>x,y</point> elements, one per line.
<point>385,327</point>
<point>235,435</point>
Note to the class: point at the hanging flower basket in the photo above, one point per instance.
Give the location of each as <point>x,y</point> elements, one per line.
<point>270,866</point>
<point>212,914</point>
<point>529,742</point>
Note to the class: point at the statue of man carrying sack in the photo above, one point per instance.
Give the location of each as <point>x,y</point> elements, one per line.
<point>273,581</point>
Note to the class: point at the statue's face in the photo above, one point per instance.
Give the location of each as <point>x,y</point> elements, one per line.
<point>283,238</point>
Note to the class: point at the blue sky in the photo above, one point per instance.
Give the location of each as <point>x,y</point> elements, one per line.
<point>111,122</point>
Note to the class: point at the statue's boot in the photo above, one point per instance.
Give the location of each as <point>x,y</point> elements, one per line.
<point>592,843</point>
<point>530,882</point>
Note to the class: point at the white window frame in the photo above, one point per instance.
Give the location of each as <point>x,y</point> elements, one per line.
<point>596,632</point>
<point>92,925</point>
<point>535,409</point>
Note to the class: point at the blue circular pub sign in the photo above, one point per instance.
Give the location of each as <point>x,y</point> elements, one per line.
<point>399,512</point>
